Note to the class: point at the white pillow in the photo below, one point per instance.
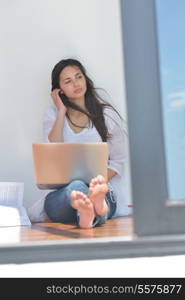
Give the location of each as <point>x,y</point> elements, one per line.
<point>12,212</point>
<point>11,192</point>
<point>13,216</point>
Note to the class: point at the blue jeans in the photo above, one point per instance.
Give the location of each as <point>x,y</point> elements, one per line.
<point>58,208</point>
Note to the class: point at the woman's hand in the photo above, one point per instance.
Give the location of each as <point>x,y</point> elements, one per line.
<point>57,101</point>
<point>111,173</point>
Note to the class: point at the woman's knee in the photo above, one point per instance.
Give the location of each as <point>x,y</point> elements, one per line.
<point>50,206</point>
<point>78,185</point>
<point>53,204</point>
<point>59,210</point>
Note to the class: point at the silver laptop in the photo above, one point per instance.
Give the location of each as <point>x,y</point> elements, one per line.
<point>56,164</point>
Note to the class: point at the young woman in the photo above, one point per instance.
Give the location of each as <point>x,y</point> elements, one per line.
<point>82,116</point>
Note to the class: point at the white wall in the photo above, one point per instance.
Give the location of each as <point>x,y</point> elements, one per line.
<point>34,36</point>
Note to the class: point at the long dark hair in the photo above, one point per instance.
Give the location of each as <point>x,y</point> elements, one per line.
<point>93,102</point>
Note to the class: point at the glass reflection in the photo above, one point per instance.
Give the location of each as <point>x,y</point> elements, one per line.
<point>171,40</point>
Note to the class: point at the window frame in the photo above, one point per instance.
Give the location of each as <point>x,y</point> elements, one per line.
<point>144,105</point>
<point>157,230</point>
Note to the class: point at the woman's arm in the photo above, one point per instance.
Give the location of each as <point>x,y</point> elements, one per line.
<point>110,174</point>
<point>56,133</point>
<point>116,144</point>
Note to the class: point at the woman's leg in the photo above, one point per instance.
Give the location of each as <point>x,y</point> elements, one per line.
<point>88,211</point>
<point>57,203</point>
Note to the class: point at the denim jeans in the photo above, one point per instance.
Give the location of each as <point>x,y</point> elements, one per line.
<point>58,208</point>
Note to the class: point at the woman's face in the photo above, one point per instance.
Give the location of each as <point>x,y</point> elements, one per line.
<point>72,82</point>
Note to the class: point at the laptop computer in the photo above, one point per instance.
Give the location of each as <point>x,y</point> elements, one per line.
<point>56,164</point>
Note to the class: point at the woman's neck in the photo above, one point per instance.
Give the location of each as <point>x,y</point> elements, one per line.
<point>74,113</point>
<point>81,103</point>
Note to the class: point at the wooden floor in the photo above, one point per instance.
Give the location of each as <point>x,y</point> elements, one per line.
<point>53,231</point>
<point>58,231</point>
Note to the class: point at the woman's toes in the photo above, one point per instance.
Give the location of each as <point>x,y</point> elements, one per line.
<point>73,194</point>
<point>79,194</point>
<point>100,179</point>
<point>93,182</point>
<point>88,202</point>
<point>84,197</point>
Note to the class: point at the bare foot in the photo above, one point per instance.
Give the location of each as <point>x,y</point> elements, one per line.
<point>97,190</point>
<point>81,202</point>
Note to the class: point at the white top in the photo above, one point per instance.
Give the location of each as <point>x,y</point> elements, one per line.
<point>117,156</point>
